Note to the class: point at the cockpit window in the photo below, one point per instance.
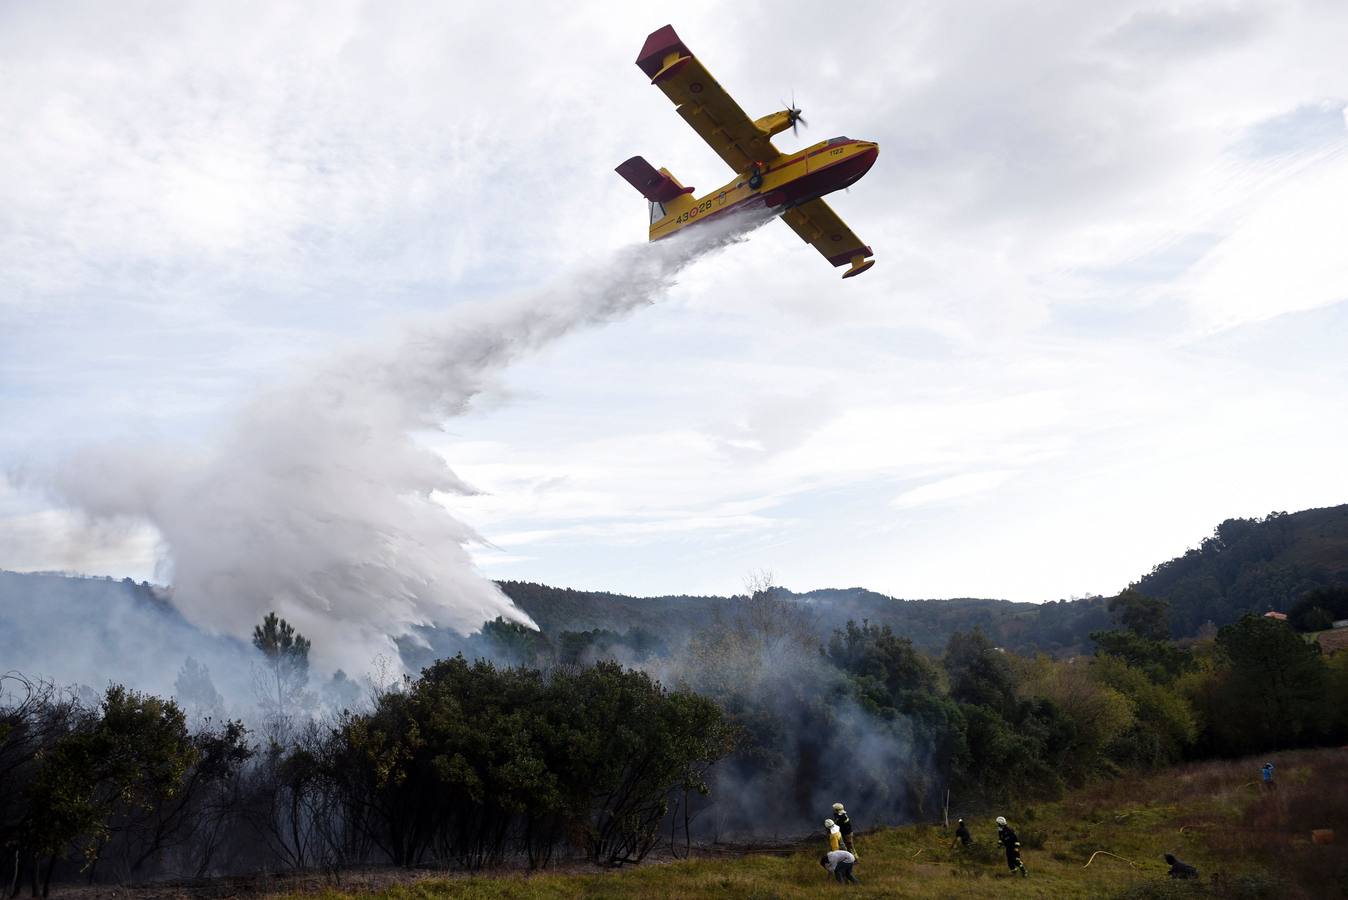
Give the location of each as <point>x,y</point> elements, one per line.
<point>838,140</point>
<point>657,212</point>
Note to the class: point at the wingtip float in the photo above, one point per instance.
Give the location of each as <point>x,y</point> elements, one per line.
<point>765,177</point>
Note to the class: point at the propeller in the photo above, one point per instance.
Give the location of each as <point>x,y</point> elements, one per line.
<point>794,116</point>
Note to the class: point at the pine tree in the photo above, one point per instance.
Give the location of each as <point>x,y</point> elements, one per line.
<point>285,669</point>
<point>195,690</point>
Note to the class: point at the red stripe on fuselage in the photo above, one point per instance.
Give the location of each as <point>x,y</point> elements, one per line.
<point>810,186</point>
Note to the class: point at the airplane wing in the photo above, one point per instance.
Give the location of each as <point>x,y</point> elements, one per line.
<point>703,103</point>
<point>818,225</point>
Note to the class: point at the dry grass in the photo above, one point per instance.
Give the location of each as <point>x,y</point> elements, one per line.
<point>1247,841</point>
<point>1332,641</point>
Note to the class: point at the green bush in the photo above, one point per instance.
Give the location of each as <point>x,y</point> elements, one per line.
<point>472,762</point>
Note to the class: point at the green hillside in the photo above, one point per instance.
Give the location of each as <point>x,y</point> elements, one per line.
<point>1252,565</point>
<point>1247,843</point>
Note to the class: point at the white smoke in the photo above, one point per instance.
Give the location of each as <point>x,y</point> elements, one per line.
<point>315,500</point>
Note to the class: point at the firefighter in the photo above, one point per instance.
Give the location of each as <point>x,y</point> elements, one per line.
<point>834,835</point>
<point>840,863</point>
<point>1179,869</point>
<point>1007,838</point>
<point>845,823</point>
<point>962,836</point>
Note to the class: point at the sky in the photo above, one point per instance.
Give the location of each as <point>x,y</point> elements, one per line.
<point>1108,311</point>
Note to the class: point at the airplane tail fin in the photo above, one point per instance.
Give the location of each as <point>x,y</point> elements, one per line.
<point>663,192</point>
<point>657,186</point>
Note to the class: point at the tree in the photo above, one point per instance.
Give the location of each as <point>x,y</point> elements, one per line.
<point>342,692</point>
<point>1336,692</point>
<point>1276,681</point>
<point>516,644</point>
<point>1163,726</point>
<point>472,761</point>
<point>1143,641</point>
<point>1003,762</point>
<point>1144,616</point>
<point>195,689</point>
<point>979,673</point>
<point>1319,609</point>
<point>1162,661</point>
<point>764,619</point>
<point>876,652</point>
<point>35,718</point>
<point>576,648</point>
<point>113,768</point>
<point>1099,714</point>
<point>285,668</point>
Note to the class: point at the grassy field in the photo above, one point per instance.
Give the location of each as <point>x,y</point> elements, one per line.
<point>1248,842</point>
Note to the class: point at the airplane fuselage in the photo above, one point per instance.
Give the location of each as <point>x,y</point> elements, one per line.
<point>788,181</point>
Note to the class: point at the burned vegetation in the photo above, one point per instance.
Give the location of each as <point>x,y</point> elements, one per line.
<point>464,766</point>
<point>740,720</point>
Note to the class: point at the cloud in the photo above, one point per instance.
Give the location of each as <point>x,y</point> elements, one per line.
<point>1095,224</point>
<point>957,487</point>
<point>1188,30</point>
<point>1284,255</point>
<point>1308,128</point>
<point>53,540</point>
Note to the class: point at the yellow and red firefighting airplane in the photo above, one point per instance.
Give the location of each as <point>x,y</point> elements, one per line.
<point>765,177</point>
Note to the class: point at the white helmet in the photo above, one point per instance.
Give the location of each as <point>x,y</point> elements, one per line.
<point>828,823</point>
<point>1001,820</point>
<point>837,807</point>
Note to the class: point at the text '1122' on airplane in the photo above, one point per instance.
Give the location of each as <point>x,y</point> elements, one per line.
<point>792,183</point>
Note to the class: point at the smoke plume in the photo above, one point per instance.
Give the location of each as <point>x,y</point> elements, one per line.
<point>316,500</point>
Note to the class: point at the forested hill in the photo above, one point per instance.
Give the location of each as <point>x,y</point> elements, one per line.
<point>1247,565</point>
<point>1054,627</point>
<point>1252,565</point>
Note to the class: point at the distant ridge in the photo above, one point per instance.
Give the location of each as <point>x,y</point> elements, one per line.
<point>1252,565</point>
<point>1246,565</point>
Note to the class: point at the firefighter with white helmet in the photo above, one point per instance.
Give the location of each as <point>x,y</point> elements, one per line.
<point>844,821</point>
<point>1011,844</point>
<point>962,836</point>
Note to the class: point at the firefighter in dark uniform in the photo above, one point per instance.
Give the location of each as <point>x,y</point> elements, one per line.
<point>1011,844</point>
<point>962,836</point>
<point>1180,869</point>
<point>844,823</point>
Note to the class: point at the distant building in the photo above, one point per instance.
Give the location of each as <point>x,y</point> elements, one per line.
<point>1281,617</point>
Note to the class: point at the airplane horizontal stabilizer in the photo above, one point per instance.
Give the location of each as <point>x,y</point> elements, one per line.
<point>654,185</point>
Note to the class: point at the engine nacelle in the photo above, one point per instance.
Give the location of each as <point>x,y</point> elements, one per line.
<point>775,123</point>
